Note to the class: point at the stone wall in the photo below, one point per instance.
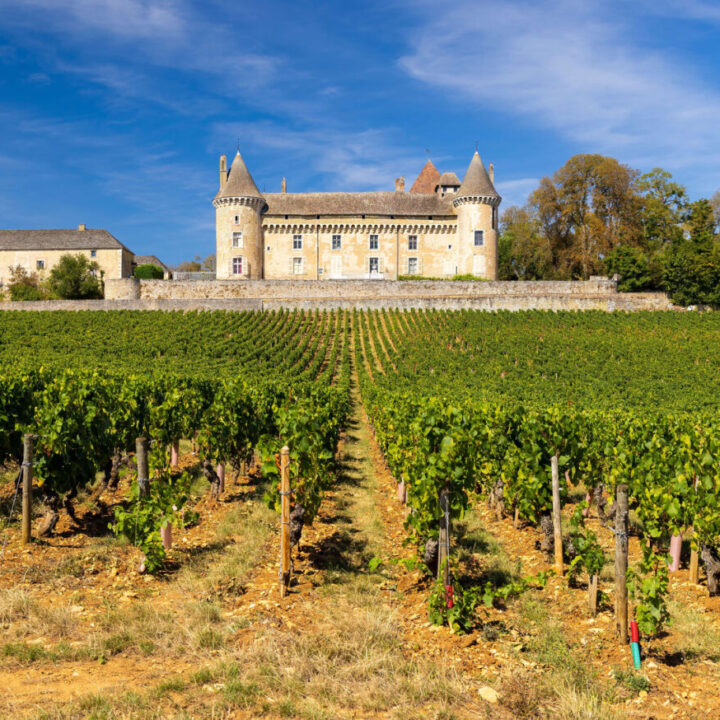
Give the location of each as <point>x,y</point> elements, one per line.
<point>512,302</point>
<point>353,290</point>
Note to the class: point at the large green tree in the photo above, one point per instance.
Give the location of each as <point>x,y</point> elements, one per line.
<point>664,203</point>
<point>75,277</point>
<point>523,252</point>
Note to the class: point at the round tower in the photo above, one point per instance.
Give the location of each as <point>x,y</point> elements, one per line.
<point>238,223</point>
<point>476,206</point>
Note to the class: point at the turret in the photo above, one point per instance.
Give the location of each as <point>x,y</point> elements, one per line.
<point>476,205</point>
<point>238,221</point>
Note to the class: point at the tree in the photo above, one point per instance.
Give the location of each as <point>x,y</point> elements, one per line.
<point>210,263</point>
<point>700,222</point>
<point>75,278</point>
<point>715,202</point>
<point>24,285</point>
<point>663,206</point>
<point>523,253</point>
<point>632,265</point>
<point>692,274</point>
<point>589,206</point>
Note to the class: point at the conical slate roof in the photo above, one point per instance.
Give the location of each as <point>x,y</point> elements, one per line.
<point>427,180</point>
<point>476,180</point>
<point>239,182</point>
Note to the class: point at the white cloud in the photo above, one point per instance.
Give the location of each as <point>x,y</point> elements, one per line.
<point>575,68</point>
<point>362,160</point>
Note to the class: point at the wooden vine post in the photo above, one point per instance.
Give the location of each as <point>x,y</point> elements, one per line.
<point>621,562</point>
<point>557,525</point>
<point>284,520</point>
<point>27,476</point>
<point>693,562</point>
<point>444,538</point>
<point>143,474</point>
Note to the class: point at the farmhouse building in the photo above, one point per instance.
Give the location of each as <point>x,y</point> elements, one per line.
<point>40,250</point>
<point>441,227</point>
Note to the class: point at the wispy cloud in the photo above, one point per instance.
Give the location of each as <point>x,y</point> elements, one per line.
<point>338,159</point>
<point>575,68</point>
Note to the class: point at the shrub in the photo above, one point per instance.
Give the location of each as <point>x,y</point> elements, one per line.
<point>632,265</point>
<point>24,285</point>
<point>149,272</point>
<point>76,278</point>
<point>692,275</point>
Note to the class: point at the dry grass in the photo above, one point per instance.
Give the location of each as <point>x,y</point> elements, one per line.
<point>696,638</point>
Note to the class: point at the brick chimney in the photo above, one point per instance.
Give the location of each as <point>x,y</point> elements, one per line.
<point>223,171</point>
<point>283,186</point>
<point>82,227</point>
<point>400,184</point>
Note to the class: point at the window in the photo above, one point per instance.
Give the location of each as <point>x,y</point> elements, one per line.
<point>479,238</point>
<point>237,266</point>
<point>237,240</point>
<point>93,253</point>
<point>237,219</point>
<point>374,265</point>
<point>297,242</point>
<point>40,265</point>
<point>412,242</point>
<point>374,242</point>
<point>297,266</point>
<point>412,266</point>
<point>336,242</point>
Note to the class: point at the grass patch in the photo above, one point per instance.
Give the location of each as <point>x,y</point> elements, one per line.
<point>631,680</point>
<point>696,637</point>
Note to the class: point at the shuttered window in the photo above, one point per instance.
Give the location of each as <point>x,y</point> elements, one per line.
<point>237,266</point>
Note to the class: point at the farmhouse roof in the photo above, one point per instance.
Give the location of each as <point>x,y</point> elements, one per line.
<point>366,203</point>
<point>88,239</point>
<point>239,182</point>
<point>150,260</point>
<point>449,179</point>
<point>427,180</point>
<point>476,180</point>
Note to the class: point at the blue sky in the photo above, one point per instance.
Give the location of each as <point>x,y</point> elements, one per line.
<point>114,112</point>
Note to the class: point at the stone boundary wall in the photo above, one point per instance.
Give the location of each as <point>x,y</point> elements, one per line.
<point>313,290</point>
<point>620,302</point>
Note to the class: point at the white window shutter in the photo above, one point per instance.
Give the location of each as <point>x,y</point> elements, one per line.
<point>290,265</point>
<point>381,264</point>
<point>419,266</point>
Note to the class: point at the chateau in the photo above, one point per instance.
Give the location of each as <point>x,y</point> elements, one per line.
<point>440,228</point>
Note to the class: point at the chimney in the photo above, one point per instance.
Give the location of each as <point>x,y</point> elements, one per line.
<point>283,186</point>
<point>82,227</point>
<point>223,171</point>
<point>491,172</point>
<point>400,184</point>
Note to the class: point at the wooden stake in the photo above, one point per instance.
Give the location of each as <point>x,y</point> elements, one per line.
<point>220,470</point>
<point>693,560</point>
<point>557,526</point>
<point>284,520</point>
<point>621,562</point>
<point>27,475</point>
<point>444,538</point>
<point>516,519</point>
<point>593,594</point>
<point>175,453</point>
<point>141,458</point>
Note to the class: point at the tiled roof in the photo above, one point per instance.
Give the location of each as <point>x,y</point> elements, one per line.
<point>427,180</point>
<point>476,180</point>
<point>88,239</point>
<point>239,182</point>
<point>368,203</point>
<point>150,260</point>
<point>449,179</point>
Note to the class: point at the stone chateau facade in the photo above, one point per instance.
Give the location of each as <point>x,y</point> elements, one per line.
<point>440,228</point>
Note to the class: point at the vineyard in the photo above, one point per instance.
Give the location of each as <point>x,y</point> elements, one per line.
<point>461,483</point>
